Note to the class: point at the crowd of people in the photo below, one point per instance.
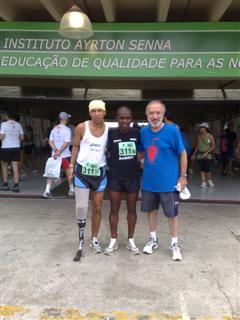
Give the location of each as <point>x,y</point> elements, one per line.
<point>97,157</point>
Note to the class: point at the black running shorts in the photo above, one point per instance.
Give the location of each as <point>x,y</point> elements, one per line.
<point>10,154</point>
<point>124,185</point>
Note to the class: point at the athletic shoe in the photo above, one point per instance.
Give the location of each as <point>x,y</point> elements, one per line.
<point>211,184</point>
<point>176,253</point>
<point>110,249</point>
<point>203,184</point>
<point>96,247</point>
<point>5,187</point>
<point>133,249</point>
<point>150,246</point>
<point>15,188</point>
<point>47,195</point>
<point>71,193</point>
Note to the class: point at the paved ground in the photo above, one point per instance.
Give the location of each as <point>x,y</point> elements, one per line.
<point>41,281</point>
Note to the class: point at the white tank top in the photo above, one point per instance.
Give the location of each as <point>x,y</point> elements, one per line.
<point>92,149</point>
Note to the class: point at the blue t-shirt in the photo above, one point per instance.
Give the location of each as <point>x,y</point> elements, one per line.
<point>161,164</point>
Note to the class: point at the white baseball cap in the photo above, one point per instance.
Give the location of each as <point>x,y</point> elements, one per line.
<point>204,125</point>
<point>64,115</point>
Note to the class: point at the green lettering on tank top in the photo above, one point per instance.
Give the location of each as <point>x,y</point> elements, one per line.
<point>127,149</point>
<point>91,169</point>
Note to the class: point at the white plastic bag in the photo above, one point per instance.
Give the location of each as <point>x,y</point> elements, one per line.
<point>53,168</point>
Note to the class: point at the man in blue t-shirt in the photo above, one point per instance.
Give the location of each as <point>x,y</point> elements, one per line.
<point>165,166</point>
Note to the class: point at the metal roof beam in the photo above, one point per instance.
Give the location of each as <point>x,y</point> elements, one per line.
<point>218,8</point>
<point>109,10</point>
<point>8,12</point>
<point>53,8</point>
<point>162,10</point>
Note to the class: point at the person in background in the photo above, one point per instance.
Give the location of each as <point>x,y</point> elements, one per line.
<point>22,174</point>
<point>72,128</point>
<point>231,139</point>
<point>29,149</point>
<point>164,170</point>
<point>192,137</point>
<point>223,150</point>
<point>186,142</point>
<point>59,141</point>
<point>11,135</point>
<point>53,124</point>
<point>169,118</point>
<point>237,154</point>
<point>203,154</point>
<point>136,125</point>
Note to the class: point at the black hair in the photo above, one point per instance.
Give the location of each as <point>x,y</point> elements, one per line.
<point>123,108</point>
<point>12,116</point>
<point>169,116</point>
<point>136,125</point>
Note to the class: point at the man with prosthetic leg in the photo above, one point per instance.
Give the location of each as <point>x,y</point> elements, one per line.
<point>88,162</point>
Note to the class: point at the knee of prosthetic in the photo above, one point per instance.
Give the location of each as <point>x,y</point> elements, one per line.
<point>81,213</point>
<point>81,223</point>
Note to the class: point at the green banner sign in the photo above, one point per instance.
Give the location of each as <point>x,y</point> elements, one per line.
<point>157,50</point>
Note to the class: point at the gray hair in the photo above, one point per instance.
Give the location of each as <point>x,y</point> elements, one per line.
<point>158,102</point>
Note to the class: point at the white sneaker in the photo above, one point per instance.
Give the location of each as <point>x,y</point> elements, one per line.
<point>150,246</point>
<point>71,193</point>
<point>203,184</point>
<point>211,184</point>
<point>96,247</point>
<point>110,249</point>
<point>133,249</point>
<point>176,253</point>
<point>47,195</point>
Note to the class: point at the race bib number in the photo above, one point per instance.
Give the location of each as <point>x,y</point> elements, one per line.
<point>127,149</point>
<point>91,169</point>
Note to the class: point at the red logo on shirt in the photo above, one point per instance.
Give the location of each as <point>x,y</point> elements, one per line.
<point>152,151</point>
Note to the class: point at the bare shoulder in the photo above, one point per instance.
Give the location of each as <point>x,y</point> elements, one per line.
<point>80,129</point>
<point>211,136</point>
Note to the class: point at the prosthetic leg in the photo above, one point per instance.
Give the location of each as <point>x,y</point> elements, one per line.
<point>81,225</point>
<point>81,196</point>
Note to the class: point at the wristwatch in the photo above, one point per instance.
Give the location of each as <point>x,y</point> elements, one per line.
<point>183,175</point>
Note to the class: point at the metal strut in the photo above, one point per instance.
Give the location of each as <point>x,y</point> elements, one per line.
<point>80,247</point>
